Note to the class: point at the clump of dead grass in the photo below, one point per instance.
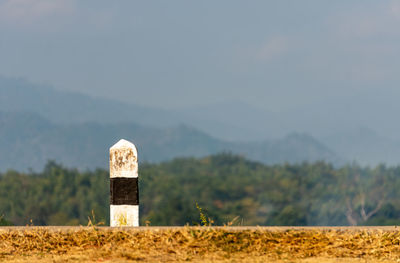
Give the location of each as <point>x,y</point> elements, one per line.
<point>195,244</point>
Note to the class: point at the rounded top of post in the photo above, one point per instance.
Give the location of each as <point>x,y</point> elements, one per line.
<point>124,144</point>
<point>123,160</point>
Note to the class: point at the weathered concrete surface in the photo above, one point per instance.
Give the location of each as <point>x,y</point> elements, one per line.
<point>124,215</point>
<point>123,160</point>
<point>124,164</point>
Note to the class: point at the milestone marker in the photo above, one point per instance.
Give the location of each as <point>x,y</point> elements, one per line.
<point>124,191</point>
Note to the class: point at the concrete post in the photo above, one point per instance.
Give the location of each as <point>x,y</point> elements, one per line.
<point>124,191</point>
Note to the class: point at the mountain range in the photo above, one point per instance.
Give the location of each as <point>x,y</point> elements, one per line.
<point>38,123</point>
<point>28,140</point>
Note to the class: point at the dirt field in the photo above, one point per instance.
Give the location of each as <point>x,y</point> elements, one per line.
<point>200,244</point>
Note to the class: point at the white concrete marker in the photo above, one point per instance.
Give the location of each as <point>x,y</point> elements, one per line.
<point>124,191</point>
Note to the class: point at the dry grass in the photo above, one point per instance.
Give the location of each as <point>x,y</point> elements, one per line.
<point>200,244</point>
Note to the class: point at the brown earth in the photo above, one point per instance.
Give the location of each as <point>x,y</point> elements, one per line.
<point>200,244</point>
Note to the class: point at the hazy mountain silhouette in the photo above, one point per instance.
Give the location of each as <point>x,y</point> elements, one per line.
<point>28,141</point>
<point>333,122</point>
<point>235,120</point>
<point>71,107</point>
<point>364,146</point>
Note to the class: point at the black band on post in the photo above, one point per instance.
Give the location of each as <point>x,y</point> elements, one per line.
<point>124,191</point>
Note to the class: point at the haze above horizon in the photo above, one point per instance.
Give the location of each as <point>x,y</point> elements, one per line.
<point>274,55</point>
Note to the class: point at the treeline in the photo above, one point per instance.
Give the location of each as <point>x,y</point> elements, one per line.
<point>224,186</point>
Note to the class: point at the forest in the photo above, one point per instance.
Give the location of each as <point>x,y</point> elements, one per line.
<point>225,188</point>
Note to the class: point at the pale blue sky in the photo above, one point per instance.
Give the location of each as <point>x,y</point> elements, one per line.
<point>275,55</point>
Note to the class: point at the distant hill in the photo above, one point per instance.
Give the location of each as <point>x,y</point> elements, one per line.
<point>228,120</point>
<point>336,128</point>
<point>29,141</point>
<point>235,120</point>
<point>364,146</point>
<point>18,95</point>
<point>293,148</point>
